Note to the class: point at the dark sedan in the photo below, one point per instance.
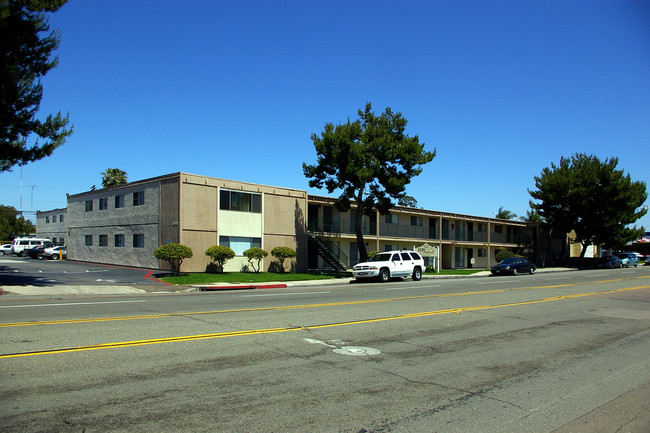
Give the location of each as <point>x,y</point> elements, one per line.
<point>36,251</point>
<point>609,262</point>
<point>513,266</point>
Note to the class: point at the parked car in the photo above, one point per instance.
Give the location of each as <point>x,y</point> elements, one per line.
<point>628,259</point>
<point>54,252</point>
<point>609,262</point>
<point>20,245</point>
<point>403,263</point>
<point>5,249</point>
<point>34,252</point>
<point>513,266</point>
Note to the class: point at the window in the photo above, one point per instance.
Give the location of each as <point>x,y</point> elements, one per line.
<point>103,240</point>
<point>88,240</point>
<point>240,201</point>
<point>47,220</point>
<point>89,205</point>
<point>417,221</point>
<point>103,203</point>
<point>61,218</point>
<point>138,198</point>
<point>392,218</point>
<point>119,241</point>
<point>498,229</point>
<point>482,227</point>
<point>239,244</point>
<point>481,252</point>
<point>119,201</point>
<point>138,241</point>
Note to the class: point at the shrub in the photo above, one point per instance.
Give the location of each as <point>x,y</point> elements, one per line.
<point>282,253</point>
<point>174,254</point>
<point>219,255</point>
<point>372,254</point>
<point>255,253</point>
<point>504,254</point>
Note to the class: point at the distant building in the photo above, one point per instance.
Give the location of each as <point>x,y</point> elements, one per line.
<point>51,224</point>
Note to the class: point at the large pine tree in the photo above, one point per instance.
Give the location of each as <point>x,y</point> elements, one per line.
<point>370,161</point>
<point>26,47</point>
<point>593,198</point>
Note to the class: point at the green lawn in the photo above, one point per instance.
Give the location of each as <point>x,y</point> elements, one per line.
<point>266,277</point>
<point>249,277</point>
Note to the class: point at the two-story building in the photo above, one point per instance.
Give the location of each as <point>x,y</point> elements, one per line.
<point>52,224</point>
<point>124,224</point>
<point>451,240</point>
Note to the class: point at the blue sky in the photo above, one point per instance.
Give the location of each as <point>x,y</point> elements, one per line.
<point>234,90</point>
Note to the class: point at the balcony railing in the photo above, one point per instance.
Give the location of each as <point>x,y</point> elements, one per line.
<point>418,232</point>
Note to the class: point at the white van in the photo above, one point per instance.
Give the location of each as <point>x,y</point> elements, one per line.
<point>20,245</point>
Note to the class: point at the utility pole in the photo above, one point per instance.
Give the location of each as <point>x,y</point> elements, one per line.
<point>32,205</point>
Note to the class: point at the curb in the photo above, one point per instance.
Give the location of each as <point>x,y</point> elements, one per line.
<point>238,287</point>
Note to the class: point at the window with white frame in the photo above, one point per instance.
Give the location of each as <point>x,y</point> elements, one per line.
<point>239,244</point>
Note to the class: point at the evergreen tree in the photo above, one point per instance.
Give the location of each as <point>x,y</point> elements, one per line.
<point>370,161</point>
<point>26,51</point>
<point>591,197</point>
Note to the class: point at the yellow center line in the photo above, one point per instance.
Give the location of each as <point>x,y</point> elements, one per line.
<point>302,328</point>
<point>291,307</point>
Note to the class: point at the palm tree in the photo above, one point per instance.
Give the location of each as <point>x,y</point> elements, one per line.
<point>505,214</point>
<point>113,177</point>
<point>531,217</point>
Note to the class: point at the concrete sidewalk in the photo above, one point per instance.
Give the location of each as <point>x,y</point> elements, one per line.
<point>70,290</point>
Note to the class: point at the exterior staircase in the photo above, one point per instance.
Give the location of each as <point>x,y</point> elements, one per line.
<point>324,250</point>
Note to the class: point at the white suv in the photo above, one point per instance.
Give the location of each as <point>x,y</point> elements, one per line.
<point>403,263</point>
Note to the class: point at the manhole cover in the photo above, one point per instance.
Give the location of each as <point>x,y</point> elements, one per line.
<point>357,351</point>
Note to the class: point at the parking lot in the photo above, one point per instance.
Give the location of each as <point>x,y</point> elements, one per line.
<point>25,271</point>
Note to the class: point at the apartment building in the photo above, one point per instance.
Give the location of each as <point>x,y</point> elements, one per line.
<point>446,240</point>
<point>124,224</point>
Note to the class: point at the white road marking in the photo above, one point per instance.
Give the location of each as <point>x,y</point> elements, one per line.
<point>497,282</point>
<point>70,303</point>
<point>312,341</point>
<point>283,294</point>
<point>407,288</point>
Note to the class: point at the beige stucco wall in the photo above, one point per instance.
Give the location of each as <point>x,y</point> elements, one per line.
<point>281,223</point>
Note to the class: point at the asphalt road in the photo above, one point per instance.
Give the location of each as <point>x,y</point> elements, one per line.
<point>565,352</point>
